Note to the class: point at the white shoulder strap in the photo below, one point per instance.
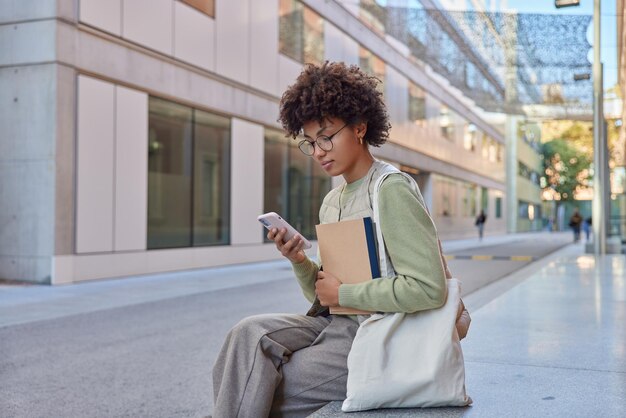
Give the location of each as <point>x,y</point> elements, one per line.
<point>386,269</point>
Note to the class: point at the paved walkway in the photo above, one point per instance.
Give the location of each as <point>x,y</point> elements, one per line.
<point>20,304</point>
<point>547,341</point>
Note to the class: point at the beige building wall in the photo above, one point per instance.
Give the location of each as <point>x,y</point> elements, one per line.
<point>100,65</point>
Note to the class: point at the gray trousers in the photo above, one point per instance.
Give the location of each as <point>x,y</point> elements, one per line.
<point>282,365</point>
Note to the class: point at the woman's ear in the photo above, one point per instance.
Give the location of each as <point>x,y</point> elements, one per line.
<point>361,130</point>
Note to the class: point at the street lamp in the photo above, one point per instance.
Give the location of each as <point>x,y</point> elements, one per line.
<point>600,203</point>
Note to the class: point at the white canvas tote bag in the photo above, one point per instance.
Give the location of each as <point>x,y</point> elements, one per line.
<point>401,360</point>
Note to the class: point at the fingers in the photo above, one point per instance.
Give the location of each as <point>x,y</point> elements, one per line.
<point>327,289</point>
<point>288,249</point>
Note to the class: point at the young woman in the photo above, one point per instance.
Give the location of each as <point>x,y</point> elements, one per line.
<point>291,365</point>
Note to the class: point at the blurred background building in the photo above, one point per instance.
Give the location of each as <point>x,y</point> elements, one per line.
<point>140,136</point>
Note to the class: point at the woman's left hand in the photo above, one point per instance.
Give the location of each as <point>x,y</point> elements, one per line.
<point>327,289</point>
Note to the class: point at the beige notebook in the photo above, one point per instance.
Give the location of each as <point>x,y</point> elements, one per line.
<point>348,252</point>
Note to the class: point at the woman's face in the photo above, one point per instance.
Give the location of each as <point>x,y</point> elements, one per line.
<point>346,150</point>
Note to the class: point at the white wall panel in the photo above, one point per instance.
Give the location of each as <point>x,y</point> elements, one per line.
<point>149,22</point>
<point>194,36</point>
<point>94,172</point>
<point>288,71</point>
<point>264,45</point>
<point>106,15</point>
<point>233,39</point>
<point>131,169</point>
<point>246,182</point>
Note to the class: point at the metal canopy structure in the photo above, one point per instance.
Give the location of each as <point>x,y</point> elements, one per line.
<point>505,62</point>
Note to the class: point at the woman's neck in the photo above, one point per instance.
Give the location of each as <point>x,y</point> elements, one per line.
<point>360,168</point>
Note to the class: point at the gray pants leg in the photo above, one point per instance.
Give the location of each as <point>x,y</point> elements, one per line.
<point>282,365</point>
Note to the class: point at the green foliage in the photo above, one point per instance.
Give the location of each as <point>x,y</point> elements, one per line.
<point>580,136</point>
<point>566,166</point>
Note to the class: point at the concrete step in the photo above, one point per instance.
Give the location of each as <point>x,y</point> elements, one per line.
<point>333,409</point>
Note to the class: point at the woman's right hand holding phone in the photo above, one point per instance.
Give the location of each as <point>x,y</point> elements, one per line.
<point>293,249</point>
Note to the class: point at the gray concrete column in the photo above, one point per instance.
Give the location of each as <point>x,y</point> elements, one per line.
<point>37,117</point>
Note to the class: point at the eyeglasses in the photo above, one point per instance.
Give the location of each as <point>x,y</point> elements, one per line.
<point>324,142</point>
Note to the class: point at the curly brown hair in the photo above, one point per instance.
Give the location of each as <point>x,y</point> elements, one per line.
<point>334,89</point>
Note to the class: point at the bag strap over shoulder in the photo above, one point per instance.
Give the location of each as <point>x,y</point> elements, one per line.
<point>386,269</point>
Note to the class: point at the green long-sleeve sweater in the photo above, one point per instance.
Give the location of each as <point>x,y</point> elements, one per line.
<point>412,244</point>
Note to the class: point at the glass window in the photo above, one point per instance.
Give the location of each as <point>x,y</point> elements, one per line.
<point>445,192</point>
<point>211,214</point>
<point>291,33</point>
<point>373,15</point>
<point>313,37</point>
<point>469,137</point>
<point>205,6</point>
<point>492,150</point>
<point>169,174</point>
<point>499,152</point>
<point>522,209</point>
<point>522,170</point>
<point>320,186</point>
<point>433,109</point>
<point>372,65</point>
<point>484,199</point>
<point>299,186</point>
<point>446,122</point>
<point>276,158</point>
<point>485,146</point>
<point>469,199</point>
<point>417,104</point>
<point>188,176</point>
<point>498,207</point>
<point>301,32</point>
<point>295,184</point>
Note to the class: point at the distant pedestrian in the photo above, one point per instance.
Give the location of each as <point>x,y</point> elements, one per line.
<point>480,223</point>
<point>574,222</point>
<point>587,228</point>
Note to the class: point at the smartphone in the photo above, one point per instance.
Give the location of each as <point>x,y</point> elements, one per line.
<point>273,220</point>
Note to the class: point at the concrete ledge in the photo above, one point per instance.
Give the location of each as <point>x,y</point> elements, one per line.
<point>333,409</point>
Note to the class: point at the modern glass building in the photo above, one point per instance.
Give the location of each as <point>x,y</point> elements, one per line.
<point>140,136</point>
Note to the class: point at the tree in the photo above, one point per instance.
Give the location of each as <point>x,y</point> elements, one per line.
<point>566,167</point>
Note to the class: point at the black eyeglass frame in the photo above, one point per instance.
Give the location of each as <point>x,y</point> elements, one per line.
<point>325,139</point>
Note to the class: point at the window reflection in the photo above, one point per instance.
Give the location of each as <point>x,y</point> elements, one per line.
<point>417,104</point>
<point>211,215</point>
<point>469,137</point>
<point>301,32</point>
<point>188,176</point>
<point>447,120</point>
<point>372,65</point>
<point>169,174</point>
<point>295,184</point>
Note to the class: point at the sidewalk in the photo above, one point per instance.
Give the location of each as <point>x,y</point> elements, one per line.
<point>547,341</point>
<point>29,303</point>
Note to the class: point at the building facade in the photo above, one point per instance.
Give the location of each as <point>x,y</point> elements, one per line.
<point>140,136</point>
